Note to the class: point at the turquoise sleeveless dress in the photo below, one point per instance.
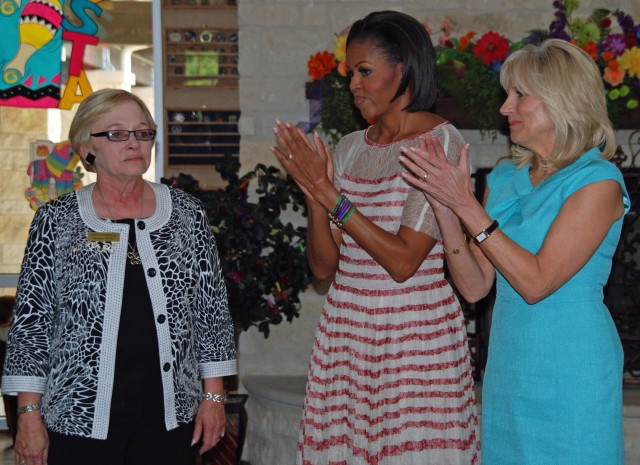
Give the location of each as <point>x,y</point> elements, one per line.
<point>552,390</point>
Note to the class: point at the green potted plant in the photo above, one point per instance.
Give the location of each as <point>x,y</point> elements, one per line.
<point>263,256</point>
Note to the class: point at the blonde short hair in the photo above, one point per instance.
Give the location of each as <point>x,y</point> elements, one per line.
<point>92,108</point>
<point>568,82</point>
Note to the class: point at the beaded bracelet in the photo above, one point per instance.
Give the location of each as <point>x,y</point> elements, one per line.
<point>341,212</point>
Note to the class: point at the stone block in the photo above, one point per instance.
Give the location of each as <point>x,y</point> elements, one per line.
<point>314,14</point>
<point>23,120</point>
<point>14,229</point>
<point>271,14</point>
<point>20,141</point>
<point>11,183</point>
<point>18,205</point>
<point>12,255</point>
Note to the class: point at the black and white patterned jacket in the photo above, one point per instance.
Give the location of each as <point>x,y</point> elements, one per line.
<point>63,340</point>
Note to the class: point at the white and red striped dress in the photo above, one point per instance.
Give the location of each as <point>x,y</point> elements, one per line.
<point>390,379</point>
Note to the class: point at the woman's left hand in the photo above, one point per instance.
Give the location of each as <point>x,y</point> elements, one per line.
<point>210,425</point>
<point>444,184</point>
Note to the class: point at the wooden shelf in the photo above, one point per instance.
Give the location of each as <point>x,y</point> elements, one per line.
<point>200,86</point>
<point>201,57</point>
<point>201,137</point>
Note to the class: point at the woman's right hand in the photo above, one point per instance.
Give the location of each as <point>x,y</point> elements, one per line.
<point>32,441</point>
<point>429,170</point>
<point>311,167</point>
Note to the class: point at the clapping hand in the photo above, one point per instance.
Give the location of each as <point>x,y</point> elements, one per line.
<point>310,165</point>
<point>429,170</point>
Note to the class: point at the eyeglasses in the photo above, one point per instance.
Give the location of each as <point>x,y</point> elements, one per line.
<point>120,135</point>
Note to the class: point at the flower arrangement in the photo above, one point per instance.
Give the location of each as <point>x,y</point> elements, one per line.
<point>263,258</point>
<point>328,71</point>
<point>616,50</point>
<point>468,68</point>
<point>468,71</point>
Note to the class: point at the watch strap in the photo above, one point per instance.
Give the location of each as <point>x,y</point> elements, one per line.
<point>485,233</point>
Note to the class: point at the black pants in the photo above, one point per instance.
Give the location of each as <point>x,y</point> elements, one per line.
<point>126,446</point>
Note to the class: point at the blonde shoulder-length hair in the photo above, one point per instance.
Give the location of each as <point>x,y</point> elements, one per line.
<point>92,108</point>
<point>568,82</point>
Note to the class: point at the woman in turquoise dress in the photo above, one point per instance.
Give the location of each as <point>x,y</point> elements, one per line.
<point>552,217</point>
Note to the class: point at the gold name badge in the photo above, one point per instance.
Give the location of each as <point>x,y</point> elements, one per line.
<point>94,236</point>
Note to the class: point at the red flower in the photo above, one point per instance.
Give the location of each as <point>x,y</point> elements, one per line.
<point>491,47</point>
<point>321,64</point>
<point>630,39</point>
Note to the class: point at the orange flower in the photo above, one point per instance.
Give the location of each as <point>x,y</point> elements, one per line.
<point>342,68</point>
<point>465,40</point>
<point>321,64</point>
<point>613,74</point>
<point>592,49</point>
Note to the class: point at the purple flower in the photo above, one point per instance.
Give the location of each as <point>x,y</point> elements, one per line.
<point>536,37</point>
<point>625,21</point>
<point>614,43</point>
<point>559,4</point>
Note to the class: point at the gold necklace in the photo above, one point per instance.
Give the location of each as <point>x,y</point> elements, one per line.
<point>132,254</point>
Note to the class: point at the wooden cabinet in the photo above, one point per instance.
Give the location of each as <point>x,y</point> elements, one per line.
<point>200,104</point>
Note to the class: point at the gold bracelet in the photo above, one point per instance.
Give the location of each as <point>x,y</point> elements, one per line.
<point>455,251</point>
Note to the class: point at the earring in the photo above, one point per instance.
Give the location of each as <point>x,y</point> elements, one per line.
<point>90,158</point>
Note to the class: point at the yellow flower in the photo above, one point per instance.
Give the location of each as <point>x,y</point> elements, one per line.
<point>630,61</point>
<point>340,51</point>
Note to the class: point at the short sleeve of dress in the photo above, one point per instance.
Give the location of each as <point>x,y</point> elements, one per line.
<point>417,213</point>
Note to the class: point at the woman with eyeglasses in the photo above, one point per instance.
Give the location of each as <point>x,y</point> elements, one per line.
<point>121,333</point>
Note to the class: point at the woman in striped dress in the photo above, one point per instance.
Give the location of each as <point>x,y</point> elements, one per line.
<point>390,379</point>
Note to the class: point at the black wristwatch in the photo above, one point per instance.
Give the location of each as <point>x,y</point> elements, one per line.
<point>482,235</point>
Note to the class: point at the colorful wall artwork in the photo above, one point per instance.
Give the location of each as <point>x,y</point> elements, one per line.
<point>31,43</point>
<point>52,172</point>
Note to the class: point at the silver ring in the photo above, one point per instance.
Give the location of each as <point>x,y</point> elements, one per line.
<point>290,156</point>
<point>222,435</point>
<point>22,462</point>
<point>424,177</point>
